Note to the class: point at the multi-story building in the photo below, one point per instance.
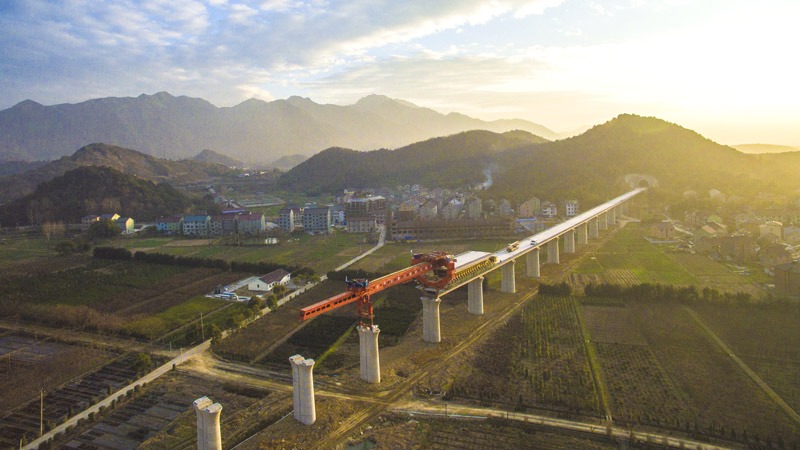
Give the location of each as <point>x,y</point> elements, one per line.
<point>125,224</point>
<point>449,229</point>
<point>504,208</point>
<point>571,208</point>
<point>362,225</point>
<point>474,208</point>
<point>549,209</point>
<point>170,225</point>
<point>289,217</point>
<point>429,210</point>
<point>197,225</point>
<point>452,209</point>
<point>215,225</point>
<point>530,207</point>
<point>369,206</point>
<point>252,223</point>
<point>317,220</point>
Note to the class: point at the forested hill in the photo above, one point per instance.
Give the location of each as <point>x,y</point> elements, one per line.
<point>591,166</point>
<point>94,190</point>
<point>450,161</point>
<point>119,158</point>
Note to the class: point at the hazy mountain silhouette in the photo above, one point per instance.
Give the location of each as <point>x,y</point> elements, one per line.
<point>122,159</point>
<point>254,131</point>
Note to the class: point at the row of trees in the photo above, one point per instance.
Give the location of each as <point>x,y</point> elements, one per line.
<point>647,292</point>
<point>124,254</point>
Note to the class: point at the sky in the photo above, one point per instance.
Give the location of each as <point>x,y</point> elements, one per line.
<point>726,69</point>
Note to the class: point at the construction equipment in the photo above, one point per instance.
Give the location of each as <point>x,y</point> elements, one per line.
<point>432,270</point>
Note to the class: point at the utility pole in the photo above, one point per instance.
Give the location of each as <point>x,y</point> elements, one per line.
<point>202,328</point>
<point>41,412</point>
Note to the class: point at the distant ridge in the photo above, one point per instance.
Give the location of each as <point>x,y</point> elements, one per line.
<point>122,159</point>
<point>765,148</point>
<point>254,131</point>
<point>210,156</point>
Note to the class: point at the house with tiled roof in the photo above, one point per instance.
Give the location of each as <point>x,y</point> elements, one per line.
<point>269,281</point>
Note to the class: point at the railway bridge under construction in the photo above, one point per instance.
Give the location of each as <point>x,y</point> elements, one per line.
<point>439,274</point>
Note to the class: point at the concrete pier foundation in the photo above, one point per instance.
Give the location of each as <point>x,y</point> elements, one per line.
<point>602,221</point>
<point>209,436</point>
<point>475,296</point>
<point>569,241</point>
<point>552,252</point>
<point>431,328</point>
<point>594,228</point>
<point>532,267</point>
<point>508,283</point>
<point>370,359</point>
<point>583,234</point>
<point>305,410</point>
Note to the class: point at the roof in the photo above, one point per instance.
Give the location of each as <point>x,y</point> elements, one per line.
<point>251,216</point>
<point>90,217</point>
<point>202,218</point>
<point>275,276</point>
<point>107,216</point>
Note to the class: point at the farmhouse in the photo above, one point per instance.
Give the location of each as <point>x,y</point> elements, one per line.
<point>269,281</point>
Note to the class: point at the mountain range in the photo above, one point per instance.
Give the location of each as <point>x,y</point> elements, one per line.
<point>254,131</point>
<point>122,159</point>
<point>590,167</point>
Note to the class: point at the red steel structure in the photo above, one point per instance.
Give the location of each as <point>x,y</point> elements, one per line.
<point>433,270</point>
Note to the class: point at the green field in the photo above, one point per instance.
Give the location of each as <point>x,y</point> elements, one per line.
<point>320,253</point>
<point>628,258</point>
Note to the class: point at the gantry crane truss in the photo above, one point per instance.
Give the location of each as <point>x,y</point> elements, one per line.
<point>433,270</point>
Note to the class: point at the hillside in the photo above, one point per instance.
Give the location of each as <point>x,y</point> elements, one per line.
<point>450,161</point>
<point>589,167</point>
<point>210,156</point>
<point>285,163</point>
<point>94,190</point>
<point>122,159</point>
<point>254,131</point>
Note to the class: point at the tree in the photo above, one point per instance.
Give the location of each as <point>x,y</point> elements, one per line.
<point>142,362</point>
<point>103,229</point>
<point>216,334</point>
<point>272,301</point>
<point>279,290</point>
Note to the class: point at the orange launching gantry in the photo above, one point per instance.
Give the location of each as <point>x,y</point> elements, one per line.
<point>433,270</point>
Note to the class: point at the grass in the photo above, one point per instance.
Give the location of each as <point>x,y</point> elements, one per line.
<point>321,253</point>
<point>159,324</point>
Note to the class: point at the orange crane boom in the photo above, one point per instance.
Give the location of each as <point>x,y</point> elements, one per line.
<point>440,263</point>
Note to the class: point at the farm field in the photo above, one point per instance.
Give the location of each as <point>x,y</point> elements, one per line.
<point>718,390</point>
<point>627,258</point>
<point>111,296</point>
<point>759,334</point>
<point>543,363</point>
<point>320,253</point>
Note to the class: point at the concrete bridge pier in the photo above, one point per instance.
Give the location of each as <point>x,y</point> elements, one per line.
<point>569,241</point>
<point>583,237</point>
<point>594,225</point>
<point>552,252</point>
<point>508,284</point>
<point>303,389</point>
<point>612,217</point>
<point>532,268</point>
<point>475,296</point>
<point>368,348</point>
<point>209,436</point>
<point>431,328</point>
<point>602,221</point>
